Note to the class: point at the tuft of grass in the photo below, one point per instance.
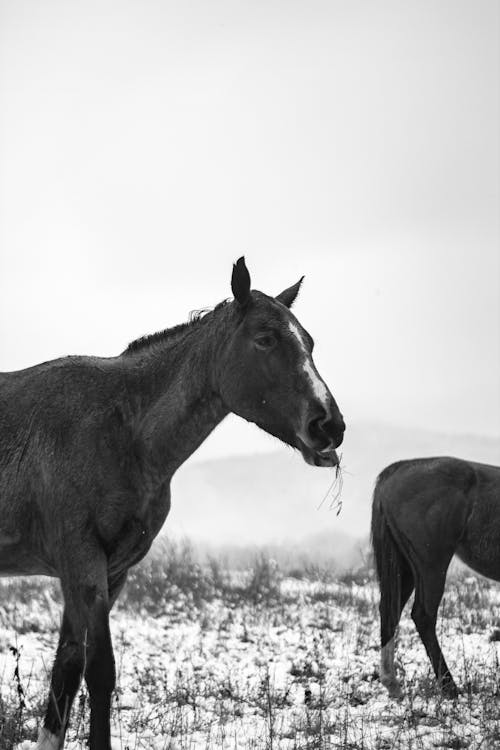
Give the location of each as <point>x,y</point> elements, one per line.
<point>173,574</point>
<point>177,578</point>
<point>13,707</point>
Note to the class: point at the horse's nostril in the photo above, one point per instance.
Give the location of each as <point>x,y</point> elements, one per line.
<point>315,426</point>
<point>324,430</point>
<point>318,431</point>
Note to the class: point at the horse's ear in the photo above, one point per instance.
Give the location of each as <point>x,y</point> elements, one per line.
<point>240,282</point>
<point>288,296</point>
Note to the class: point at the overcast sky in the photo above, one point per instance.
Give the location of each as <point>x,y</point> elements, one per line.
<point>145,145</point>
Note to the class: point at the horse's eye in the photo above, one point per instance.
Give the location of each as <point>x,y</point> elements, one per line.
<point>265,341</point>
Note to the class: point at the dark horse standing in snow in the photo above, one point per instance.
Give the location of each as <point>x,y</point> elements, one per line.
<point>88,447</point>
<point>425,511</point>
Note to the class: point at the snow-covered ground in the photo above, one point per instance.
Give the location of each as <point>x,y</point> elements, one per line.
<point>295,670</point>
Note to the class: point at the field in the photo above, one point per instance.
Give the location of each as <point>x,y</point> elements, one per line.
<point>213,658</point>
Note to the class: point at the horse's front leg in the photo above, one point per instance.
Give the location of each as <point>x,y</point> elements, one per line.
<point>87,605</point>
<point>67,672</point>
<point>65,680</point>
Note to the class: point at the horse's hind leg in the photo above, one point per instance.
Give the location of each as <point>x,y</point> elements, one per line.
<point>428,593</point>
<point>396,583</point>
<point>389,620</point>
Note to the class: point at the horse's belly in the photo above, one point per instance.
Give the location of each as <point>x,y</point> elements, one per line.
<point>16,560</point>
<point>484,558</point>
<point>136,536</point>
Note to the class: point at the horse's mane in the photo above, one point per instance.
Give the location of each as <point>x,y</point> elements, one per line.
<point>195,318</point>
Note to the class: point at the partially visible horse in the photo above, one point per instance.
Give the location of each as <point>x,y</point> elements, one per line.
<point>425,511</point>
<point>88,447</point>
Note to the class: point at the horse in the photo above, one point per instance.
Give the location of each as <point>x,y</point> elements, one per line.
<point>89,445</point>
<point>425,511</point>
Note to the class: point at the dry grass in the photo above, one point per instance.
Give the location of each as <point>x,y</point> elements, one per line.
<point>254,659</point>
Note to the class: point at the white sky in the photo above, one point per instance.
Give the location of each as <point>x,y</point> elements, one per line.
<point>145,145</point>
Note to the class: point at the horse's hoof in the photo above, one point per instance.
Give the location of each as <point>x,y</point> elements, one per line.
<point>450,692</point>
<point>449,689</point>
<point>396,693</point>
<point>394,689</point>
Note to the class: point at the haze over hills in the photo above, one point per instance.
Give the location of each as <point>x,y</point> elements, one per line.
<point>276,500</point>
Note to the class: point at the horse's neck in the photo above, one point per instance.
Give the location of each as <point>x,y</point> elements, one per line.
<point>183,406</point>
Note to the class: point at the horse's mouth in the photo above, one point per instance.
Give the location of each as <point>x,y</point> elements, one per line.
<point>325,457</point>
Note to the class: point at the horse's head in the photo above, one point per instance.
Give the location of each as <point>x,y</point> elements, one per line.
<point>268,376</point>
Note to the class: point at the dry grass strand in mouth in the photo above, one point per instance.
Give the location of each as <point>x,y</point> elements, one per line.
<point>334,491</point>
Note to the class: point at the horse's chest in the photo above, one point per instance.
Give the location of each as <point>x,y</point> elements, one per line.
<point>156,511</point>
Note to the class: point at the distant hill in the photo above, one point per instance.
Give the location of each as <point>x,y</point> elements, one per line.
<point>276,499</point>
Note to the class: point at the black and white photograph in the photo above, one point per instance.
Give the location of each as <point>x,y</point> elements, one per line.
<point>249,374</point>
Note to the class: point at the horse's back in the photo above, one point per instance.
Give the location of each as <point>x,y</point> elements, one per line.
<point>444,503</point>
<point>419,477</point>
<point>440,475</point>
<point>426,502</point>
<point>72,373</point>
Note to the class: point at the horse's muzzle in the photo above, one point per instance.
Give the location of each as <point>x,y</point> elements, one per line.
<point>320,435</point>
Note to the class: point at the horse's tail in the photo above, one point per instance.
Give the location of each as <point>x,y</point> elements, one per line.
<point>390,563</point>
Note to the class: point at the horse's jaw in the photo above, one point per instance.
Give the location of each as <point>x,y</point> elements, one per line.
<point>327,457</point>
